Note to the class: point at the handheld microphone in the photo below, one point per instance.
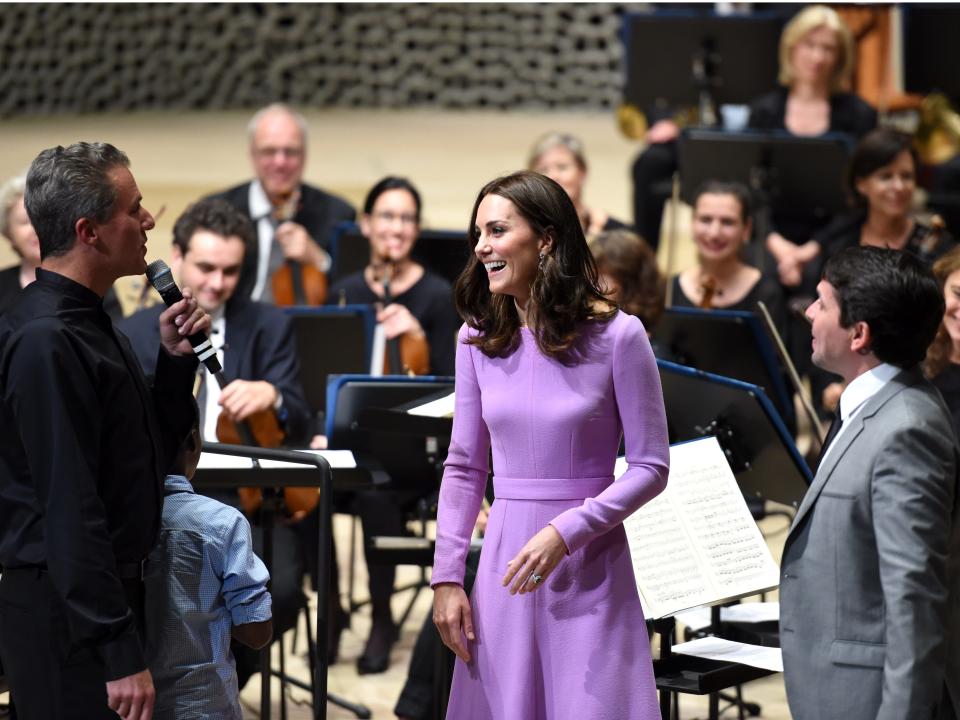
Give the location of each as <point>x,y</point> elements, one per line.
<point>159,275</point>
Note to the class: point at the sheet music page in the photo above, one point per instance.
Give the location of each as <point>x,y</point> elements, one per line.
<point>696,543</point>
<point>342,459</point>
<point>440,408</point>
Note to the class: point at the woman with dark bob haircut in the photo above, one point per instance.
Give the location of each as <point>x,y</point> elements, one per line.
<point>549,374</point>
<point>881,180</point>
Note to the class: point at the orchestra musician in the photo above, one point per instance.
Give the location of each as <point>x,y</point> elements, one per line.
<point>293,219</point>
<point>15,226</point>
<point>816,62</point>
<point>882,178</point>
<point>422,309</point>
<point>560,157</point>
<point>721,279</point>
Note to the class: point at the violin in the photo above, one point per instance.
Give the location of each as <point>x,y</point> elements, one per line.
<point>406,354</point>
<point>262,429</point>
<point>709,287</point>
<point>295,283</point>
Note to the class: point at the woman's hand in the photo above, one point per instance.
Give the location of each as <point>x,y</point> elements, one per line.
<point>542,553</point>
<point>453,618</point>
<point>397,320</point>
<point>662,131</point>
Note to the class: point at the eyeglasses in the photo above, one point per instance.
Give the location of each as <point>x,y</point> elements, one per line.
<point>388,217</point>
<point>287,152</point>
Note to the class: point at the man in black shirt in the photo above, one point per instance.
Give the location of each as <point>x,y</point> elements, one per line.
<point>84,445</point>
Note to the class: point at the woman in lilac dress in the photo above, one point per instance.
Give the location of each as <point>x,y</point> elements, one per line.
<point>549,374</point>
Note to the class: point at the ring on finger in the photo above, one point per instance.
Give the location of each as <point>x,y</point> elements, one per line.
<point>536,578</point>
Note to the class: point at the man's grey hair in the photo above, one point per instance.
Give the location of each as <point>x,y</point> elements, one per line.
<point>276,107</point>
<point>11,191</point>
<point>65,184</point>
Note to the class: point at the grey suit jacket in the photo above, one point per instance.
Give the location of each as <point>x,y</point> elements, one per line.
<point>869,583</point>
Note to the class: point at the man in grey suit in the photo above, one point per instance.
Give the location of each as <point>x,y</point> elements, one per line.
<point>869,584</point>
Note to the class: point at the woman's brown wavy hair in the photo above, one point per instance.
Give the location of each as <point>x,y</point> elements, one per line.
<point>565,292</point>
<point>632,263</point>
<point>938,354</point>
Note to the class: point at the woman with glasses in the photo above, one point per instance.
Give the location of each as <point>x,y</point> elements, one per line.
<point>422,301</point>
<point>420,306</point>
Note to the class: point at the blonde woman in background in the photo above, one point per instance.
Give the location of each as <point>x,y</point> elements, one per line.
<point>560,157</point>
<point>15,226</point>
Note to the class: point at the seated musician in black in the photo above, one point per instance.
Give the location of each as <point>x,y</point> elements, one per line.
<point>421,308</point>
<point>257,350</point>
<point>942,364</point>
<point>720,279</point>
<point>882,179</point>
<point>816,62</point>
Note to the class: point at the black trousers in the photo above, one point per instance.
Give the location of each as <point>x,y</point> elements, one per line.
<point>49,677</point>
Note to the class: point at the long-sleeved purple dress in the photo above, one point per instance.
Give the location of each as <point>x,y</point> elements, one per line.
<point>577,647</point>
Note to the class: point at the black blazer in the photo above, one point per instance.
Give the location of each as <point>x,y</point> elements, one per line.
<point>319,212</point>
<point>259,345</point>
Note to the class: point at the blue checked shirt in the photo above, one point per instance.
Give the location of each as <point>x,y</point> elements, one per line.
<point>201,578</point>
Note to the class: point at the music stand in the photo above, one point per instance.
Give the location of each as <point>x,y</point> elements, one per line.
<point>331,340</point>
<point>699,58</point>
<point>929,32</point>
<point>760,450</point>
<point>784,173</point>
<point>442,252</point>
<point>315,473</point>
<point>730,343</point>
<point>407,460</point>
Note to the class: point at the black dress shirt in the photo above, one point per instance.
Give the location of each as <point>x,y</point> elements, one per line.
<point>84,446</point>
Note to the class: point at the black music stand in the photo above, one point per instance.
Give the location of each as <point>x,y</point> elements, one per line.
<point>766,464</point>
<point>760,450</point>
<point>315,473</point>
<point>731,343</point>
<point>443,252</point>
<point>929,34</point>
<point>700,60</point>
<point>331,340</point>
<point>405,460</point>
<point>785,174</point>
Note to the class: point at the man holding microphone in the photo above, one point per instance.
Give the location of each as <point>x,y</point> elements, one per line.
<point>85,442</point>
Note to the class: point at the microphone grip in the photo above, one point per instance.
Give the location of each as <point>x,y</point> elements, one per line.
<point>162,280</point>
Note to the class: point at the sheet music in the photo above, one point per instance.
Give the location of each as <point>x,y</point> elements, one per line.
<point>440,408</point>
<point>696,543</point>
<point>714,648</point>
<point>338,459</point>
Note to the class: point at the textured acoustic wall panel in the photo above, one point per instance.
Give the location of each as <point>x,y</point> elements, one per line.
<point>109,57</point>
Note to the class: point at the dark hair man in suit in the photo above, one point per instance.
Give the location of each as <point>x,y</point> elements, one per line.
<point>869,601</point>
